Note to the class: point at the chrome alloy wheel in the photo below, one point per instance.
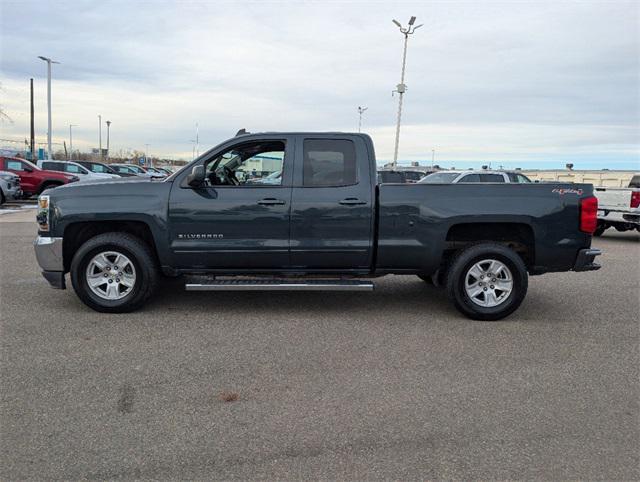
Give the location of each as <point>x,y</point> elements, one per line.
<point>110,275</point>
<point>488,283</point>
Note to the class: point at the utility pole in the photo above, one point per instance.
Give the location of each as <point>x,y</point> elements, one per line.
<point>401,88</point>
<point>49,62</point>
<point>360,112</point>
<point>108,126</point>
<point>32,140</point>
<point>100,136</point>
<point>71,141</point>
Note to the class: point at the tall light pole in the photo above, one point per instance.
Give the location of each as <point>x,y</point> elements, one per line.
<point>401,88</point>
<point>100,136</point>
<point>71,141</point>
<point>49,62</point>
<point>108,126</point>
<point>433,157</point>
<point>360,112</point>
<point>146,155</point>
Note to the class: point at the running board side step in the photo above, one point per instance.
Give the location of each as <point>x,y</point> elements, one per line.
<point>281,285</point>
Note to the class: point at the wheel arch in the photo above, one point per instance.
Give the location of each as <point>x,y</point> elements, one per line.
<point>76,234</point>
<point>519,237</point>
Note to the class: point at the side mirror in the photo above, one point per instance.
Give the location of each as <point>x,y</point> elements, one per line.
<point>28,169</point>
<point>196,178</point>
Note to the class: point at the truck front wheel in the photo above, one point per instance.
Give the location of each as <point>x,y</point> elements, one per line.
<point>487,281</point>
<point>114,273</point>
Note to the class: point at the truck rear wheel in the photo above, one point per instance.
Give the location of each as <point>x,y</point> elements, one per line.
<point>114,273</point>
<point>487,281</point>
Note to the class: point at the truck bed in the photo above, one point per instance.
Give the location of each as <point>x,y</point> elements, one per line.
<point>418,223</point>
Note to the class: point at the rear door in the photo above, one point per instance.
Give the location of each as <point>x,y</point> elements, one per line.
<point>332,204</point>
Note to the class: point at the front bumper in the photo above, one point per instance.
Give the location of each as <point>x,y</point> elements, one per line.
<point>49,256</point>
<point>584,261</point>
<point>14,193</point>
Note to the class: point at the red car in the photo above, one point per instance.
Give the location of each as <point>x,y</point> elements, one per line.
<point>34,180</point>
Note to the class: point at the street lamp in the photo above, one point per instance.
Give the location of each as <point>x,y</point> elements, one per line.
<point>71,141</point>
<point>360,112</point>
<point>49,62</point>
<point>401,88</point>
<point>108,126</point>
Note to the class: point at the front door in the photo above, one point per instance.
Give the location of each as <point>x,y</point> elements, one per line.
<point>239,218</point>
<point>332,205</point>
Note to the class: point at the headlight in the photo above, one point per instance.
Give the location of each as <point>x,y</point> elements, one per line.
<point>43,213</point>
<point>7,177</point>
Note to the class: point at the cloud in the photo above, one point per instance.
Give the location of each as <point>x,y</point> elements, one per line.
<point>502,79</point>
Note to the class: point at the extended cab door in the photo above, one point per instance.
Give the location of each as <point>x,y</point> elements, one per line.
<point>332,204</point>
<point>239,218</point>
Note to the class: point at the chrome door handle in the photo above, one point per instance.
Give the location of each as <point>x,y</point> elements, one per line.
<point>270,201</point>
<point>352,201</point>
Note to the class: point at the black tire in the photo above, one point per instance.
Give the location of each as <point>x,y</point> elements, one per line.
<point>426,279</point>
<point>2,198</point>
<point>137,251</point>
<point>463,262</point>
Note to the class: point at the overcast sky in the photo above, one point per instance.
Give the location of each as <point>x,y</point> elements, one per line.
<point>502,81</point>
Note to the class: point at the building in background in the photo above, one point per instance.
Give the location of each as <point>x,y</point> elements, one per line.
<point>602,177</point>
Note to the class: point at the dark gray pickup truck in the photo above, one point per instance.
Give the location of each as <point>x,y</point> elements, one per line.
<point>303,211</point>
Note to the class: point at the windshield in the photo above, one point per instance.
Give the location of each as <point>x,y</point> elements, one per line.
<point>439,178</point>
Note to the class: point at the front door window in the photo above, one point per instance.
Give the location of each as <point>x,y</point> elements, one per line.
<point>251,164</point>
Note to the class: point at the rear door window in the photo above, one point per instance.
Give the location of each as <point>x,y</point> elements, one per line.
<point>53,166</point>
<point>470,178</point>
<point>329,162</point>
<point>491,178</point>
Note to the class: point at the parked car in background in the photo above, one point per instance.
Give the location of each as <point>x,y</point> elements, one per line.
<point>618,207</point>
<point>388,176</point>
<point>9,186</point>
<point>169,172</point>
<point>155,170</point>
<point>34,180</point>
<point>137,170</point>
<point>74,168</point>
<point>101,168</point>
<point>454,177</point>
<point>414,176</point>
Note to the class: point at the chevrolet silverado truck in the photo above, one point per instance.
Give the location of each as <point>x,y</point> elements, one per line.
<point>303,211</point>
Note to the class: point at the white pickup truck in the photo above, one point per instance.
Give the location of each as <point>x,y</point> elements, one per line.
<point>619,207</point>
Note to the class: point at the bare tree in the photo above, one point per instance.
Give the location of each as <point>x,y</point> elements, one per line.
<point>4,117</point>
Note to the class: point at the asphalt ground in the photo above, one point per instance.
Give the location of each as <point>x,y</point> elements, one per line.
<point>393,384</point>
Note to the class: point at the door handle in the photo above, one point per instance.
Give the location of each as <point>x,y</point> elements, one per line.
<point>352,201</point>
<point>270,201</point>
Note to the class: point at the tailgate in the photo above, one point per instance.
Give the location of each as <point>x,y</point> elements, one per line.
<point>613,198</point>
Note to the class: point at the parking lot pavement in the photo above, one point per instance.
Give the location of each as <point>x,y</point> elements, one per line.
<point>390,384</point>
